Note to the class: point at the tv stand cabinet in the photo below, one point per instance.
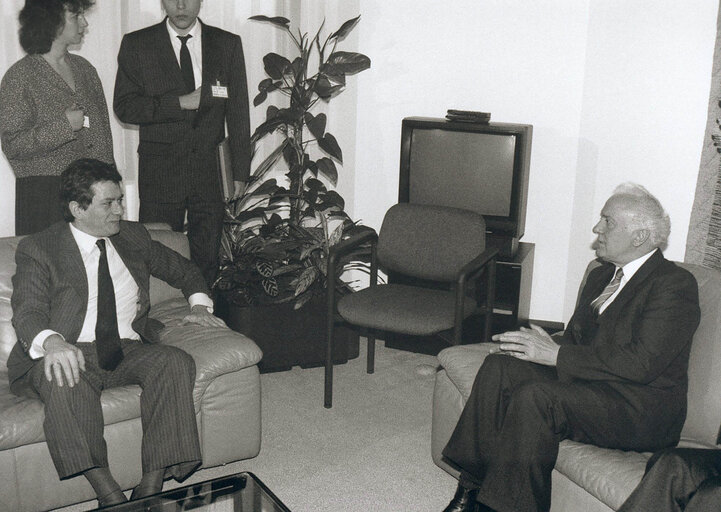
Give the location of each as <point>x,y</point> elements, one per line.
<point>512,301</point>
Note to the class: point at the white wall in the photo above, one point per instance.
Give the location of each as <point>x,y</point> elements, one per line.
<point>648,74</point>
<point>616,91</point>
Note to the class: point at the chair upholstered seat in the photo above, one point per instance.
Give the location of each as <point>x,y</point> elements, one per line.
<point>397,307</point>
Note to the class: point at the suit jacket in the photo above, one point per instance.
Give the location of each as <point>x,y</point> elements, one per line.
<point>639,346</point>
<point>50,286</point>
<point>177,150</point>
<point>35,133</point>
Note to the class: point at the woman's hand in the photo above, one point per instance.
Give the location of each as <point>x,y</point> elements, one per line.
<point>75,117</point>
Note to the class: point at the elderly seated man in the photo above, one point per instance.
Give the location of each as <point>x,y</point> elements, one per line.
<point>616,378</point>
<point>80,309</point>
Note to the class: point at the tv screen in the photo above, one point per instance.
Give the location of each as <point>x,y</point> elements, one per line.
<point>473,171</point>
<point>474,166</point>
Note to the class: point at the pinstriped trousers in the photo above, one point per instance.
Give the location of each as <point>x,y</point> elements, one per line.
<point>74,418</point>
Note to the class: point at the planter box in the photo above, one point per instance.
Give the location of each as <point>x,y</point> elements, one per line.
<point>288,337</point>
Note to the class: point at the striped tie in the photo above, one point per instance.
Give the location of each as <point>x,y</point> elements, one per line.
<point>609,290</point>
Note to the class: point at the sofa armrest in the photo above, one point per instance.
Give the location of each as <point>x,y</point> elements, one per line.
<point>216,350</point>
<point>462,362</point>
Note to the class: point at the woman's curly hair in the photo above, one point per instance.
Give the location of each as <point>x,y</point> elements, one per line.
<point>42,20</point>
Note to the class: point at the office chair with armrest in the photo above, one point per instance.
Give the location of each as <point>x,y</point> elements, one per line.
<point>442,246</point>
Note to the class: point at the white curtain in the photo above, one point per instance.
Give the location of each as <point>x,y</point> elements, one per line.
<point>703,245</point>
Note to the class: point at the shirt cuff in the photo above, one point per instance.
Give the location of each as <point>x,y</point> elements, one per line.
<point>36,347</point>
<point>201,299</point>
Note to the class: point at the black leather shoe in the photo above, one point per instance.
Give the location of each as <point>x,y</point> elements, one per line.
<point>463,501</point>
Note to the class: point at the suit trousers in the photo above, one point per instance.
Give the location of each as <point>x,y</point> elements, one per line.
<point>205,225</point>
<point>74,418</point>
<point>506,441</point>
<point>679,479</point>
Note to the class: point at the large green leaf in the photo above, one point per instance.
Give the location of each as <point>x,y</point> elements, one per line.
<point>267,164</point>
<point>314,184</point>
<point>264,268</point>
<point>271,112</point>
<point>330,146</point>
<point>316,124</point>
<point>334,74</point>
<point>266,127</point>
<point>267,187</point>
<point>307,250</point>
<point>260,98</point>
<point>327,168</point>
<point>333,198</point>
<point>336,235</point>
<point>345,28</point>
<point>302,300</point>
<point>305,280</point>
<point>348,63</point>
<point>322,87</point>
<point>332,91</point>
<point>289,154</point>
<point>276,20</point>
<point>270,285</point>
<point>276,65</point>
<point>298,68</point>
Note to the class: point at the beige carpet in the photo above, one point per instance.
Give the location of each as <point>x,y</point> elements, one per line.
<point>370,452</point>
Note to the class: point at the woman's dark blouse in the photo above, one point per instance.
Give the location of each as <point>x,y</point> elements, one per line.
<point>36,135</point>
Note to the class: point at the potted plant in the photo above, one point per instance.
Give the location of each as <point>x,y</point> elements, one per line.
<point>275,244</point>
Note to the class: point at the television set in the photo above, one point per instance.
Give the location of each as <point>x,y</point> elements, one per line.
<point>481,167</point>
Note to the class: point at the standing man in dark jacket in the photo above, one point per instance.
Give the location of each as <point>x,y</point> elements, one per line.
<point>616,378</point>
<point>181,81</point>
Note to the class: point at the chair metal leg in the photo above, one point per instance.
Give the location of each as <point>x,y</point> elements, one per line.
<point>370,364</point>
<point>328,390</point>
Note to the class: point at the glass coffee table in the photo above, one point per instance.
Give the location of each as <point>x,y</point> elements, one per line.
<point>243,492</point>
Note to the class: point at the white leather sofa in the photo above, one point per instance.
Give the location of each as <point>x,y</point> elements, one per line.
<point>226,395</point>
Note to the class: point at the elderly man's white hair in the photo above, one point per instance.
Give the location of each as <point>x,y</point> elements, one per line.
<point>647,212</point>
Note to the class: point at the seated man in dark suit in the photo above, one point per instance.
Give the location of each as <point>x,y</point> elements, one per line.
<point>679,479</point>
<point>80,309</point>
<point>615,378</point>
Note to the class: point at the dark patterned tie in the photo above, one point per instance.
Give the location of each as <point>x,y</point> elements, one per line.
<point>107,338</point>
<point>186,64</point>
<point>609,290</point>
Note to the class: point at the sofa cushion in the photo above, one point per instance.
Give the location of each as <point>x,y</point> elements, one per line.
<point>609,475</point>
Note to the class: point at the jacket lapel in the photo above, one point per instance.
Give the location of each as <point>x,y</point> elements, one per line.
<point>72,261</point>
<point>168,60</point>
<point>135,263</point>
<point>596,283</point>
<point>629,290</point>
<point>212,69</point>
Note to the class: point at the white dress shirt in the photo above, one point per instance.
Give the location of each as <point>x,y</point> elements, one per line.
<point>629,269</point>
<point>195,47</point>
<point>127,300</point>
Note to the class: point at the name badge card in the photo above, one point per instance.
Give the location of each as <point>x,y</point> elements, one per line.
<point>219,91</point>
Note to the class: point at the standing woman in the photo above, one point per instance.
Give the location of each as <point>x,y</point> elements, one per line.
<point>52,109</point>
